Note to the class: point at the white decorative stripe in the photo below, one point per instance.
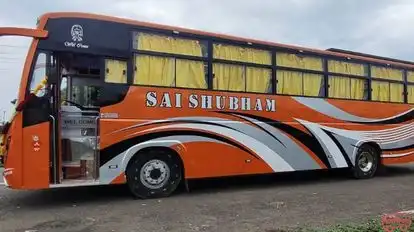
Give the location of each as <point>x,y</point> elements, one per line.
<point>390,131</point>
<point>170,120</point>
<point>107,174</point>
<point>325,140</point>
<point>392,139</point>
<point>273,159</point>
<point>394,136</point>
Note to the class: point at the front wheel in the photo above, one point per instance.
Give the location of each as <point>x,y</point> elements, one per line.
<point>366,162</point>
<point>154,174</point>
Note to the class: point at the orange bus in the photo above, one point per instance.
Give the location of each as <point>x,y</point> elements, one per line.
<point>105,100</point>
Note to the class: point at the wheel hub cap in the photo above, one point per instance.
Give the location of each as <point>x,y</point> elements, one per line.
<point>154,174</point>
<point>366,161</point>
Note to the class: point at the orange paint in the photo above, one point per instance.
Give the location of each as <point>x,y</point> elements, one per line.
<point>14,159</point>
<point>121,179</point>
<point>36,158</point>
<point>207,159</point>
<point>398,160</point>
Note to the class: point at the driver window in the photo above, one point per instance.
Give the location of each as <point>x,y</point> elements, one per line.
<point>84,95</point>
<point>81,80</point>
<point>79,91</point>
<point>38,81</point>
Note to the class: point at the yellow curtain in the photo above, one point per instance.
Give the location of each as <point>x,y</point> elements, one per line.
<point>386,73</point>
<point>410,76</point>
<point>380,90</point>
<point>167,44</point>
<point>115,71</point>
<point>339,87</point>
<point>258,80</point>
<point>298,61</point>
<point>289,82</point>
<point>152,70</point>
<point>312,84</point>
<point>396,92</point>
<point>343,67</point>
<point>229,77</point>
<point>242,54</point>
<point>357,89</point>
<point>410,92</point>
<point>190,74</point>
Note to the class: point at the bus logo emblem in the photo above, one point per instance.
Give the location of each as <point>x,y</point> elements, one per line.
<point>77,33</point>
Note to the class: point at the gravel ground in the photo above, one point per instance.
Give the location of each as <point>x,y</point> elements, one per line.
<point>266,203</point>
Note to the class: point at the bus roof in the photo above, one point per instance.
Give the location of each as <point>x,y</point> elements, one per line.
<point>329,52</point>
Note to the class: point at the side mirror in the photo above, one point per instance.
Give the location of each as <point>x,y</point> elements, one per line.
<point>13,101</point>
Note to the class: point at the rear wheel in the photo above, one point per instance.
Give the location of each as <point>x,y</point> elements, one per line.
<point>366,162</point>
<point>153,174</point>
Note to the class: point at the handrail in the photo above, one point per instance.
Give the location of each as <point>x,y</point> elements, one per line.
<point>97,154</point>
<point>54,148</point>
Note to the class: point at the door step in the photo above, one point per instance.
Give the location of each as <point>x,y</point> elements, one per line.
<point>75,183</point>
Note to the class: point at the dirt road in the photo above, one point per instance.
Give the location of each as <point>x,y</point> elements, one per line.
<point>241,204</point>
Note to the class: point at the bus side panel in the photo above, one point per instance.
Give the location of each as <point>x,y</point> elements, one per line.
<point>212,159</point>
<point>13,164</point>
<point>36,148</point>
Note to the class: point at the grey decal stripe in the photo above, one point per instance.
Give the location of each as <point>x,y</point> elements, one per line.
<point>324,107</point>
<point>341,148</point>
<point>295,155</point>
<point>307,140</point>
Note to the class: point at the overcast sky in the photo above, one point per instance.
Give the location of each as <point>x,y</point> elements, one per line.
<point>381,27</point>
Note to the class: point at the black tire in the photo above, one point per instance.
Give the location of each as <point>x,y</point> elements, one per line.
<point>142,185</point>
<point>366,154</point>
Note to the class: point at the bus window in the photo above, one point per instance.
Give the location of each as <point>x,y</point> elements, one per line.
<point>396,92</point>
<point>154,71</point>
<point>386,91</point>
<point>299,61</point>
<point>170,72</point>
<point>348,88</point>
<point>410,94</point>
<point>410,76</point>
<point>289,82</point>
<point>386,73</point>
<point>242,54</point>
<point>299,83</point>
<point>229,77</point>
<point>168,44</point>
<point>84,93</point>
<point>115,71</point>
<point>258,80</point>
<point>190,74</point>
<point>39,75</point>
<point>380,90</point>
<point>342,67</point>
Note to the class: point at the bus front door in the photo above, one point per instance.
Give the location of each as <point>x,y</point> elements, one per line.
<point>79,121</point>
